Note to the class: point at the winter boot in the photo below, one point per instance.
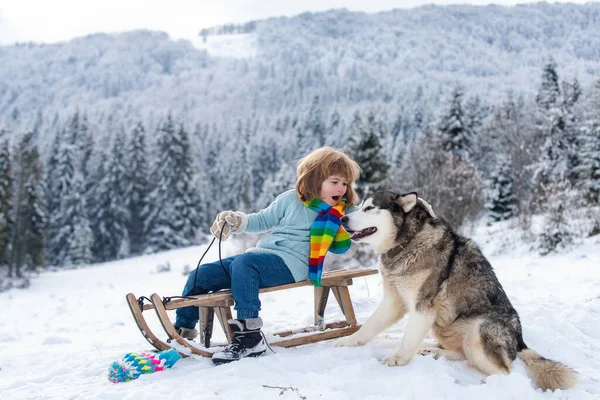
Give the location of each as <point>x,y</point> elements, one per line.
<point>248,341</point>
<point>186,333</point>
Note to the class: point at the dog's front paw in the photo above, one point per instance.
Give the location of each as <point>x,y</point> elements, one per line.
<point>396,361</point>
<point>349,341</point>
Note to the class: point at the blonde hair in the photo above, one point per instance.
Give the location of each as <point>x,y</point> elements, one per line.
<point>319,165</point>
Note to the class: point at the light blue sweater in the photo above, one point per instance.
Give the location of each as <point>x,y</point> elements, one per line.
<point>289,221</point>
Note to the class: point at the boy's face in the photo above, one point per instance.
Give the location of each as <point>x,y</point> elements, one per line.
<point>333,189</point>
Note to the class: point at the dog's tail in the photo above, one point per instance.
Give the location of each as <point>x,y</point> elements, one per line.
<point>547,374</point>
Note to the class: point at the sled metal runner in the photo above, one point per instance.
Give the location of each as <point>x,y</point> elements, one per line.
<point>219,304</point>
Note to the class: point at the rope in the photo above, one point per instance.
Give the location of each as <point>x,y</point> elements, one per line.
<point>168,299</point>
<point>220,259</point>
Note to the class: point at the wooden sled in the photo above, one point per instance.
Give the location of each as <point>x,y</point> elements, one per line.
<point>219,304</point>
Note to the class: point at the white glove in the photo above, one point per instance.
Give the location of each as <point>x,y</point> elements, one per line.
<point>226,223</point>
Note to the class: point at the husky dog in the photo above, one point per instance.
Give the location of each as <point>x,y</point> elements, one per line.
<point>445,284</point>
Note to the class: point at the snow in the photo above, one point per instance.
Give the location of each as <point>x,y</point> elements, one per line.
<point>241,45</point>
<point>59,336</point>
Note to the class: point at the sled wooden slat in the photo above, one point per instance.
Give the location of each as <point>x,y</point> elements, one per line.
<point>332,325</point>
<point>317,337</point>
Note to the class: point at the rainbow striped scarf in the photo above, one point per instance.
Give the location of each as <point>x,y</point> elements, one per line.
<point>326,234</point>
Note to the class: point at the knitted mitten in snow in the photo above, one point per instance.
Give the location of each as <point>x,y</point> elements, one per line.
<point>135,364</point>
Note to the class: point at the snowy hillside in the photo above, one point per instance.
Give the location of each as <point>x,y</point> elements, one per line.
<point>350,60</point>
<point>59,337</point>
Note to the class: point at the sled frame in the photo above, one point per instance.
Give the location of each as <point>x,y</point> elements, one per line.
<point>219,304</point>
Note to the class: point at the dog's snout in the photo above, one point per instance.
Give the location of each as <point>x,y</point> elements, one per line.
<point>344,219</point>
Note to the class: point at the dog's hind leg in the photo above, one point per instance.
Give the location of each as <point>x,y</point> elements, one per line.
<point>485,350</point>
<point>390,310</point>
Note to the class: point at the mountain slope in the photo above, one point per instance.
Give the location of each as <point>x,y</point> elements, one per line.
<point>350,60</point>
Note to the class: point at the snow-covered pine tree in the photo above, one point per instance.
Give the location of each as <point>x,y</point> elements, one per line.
<point>452,185</point>
<point>53,181</point>
<point>305,142</point>
<point>6,190</point>
<point>110,216</point>
<point>86,147</point>
<point>364,147</point>
<point>277,183</point>
<point>80,245</point>
<point>241,177</point>
<point>96,200</point>
<point>510,132</point>
<point>336,131</point>
<point>137,187</point>
<point>556,232</point>
<point>173,217</point>
<point>266,162</point>
<point>550,130</point>
<point>29,244</point>
<point>455,128</point>
<point>398,136</point>
<point>502,202</point>
<point>573,115</point>
<point>61,228</point>
<point>315,126</point>
<point>186,196</point>
<point>588,171</point>
<point>72,130</point>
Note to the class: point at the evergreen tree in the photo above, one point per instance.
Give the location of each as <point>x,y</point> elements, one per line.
<point>110,216</point>
<point>305,141</point>
<point>550,129</point>
<point>97,199</point>
<point>53,180</point>
<point>451,184</point>
<point>29,233</point>
<point>556,233</point>
<point>240,177</point>
<point>455,128</point>
<point>364,146</point>
<point>277,183</point>
<point>6,188</point>
<point>315,126</point>
<point>173,217</point>
<point>398,136</point>
<point>86,148</point>
<point>336,132</point>
<point>266,162</point>
<point>72,130</point>
<point>61,227</point>
<point>574,134</point>
<point>502,202</point>
<point>187,200</point>
<point>137,187</point>
<point>214,169</point>
<point>588,170</point>
<point>80,245</point>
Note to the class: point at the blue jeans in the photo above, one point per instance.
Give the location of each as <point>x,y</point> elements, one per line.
<point>249,272</point>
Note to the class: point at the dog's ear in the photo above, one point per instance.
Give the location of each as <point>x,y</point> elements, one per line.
<point>428,207</point>
<point>407,201</point>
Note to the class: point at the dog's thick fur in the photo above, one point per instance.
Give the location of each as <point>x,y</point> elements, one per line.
<point>445,284</point>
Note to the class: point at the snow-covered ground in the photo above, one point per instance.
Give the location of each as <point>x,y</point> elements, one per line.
<point>59,337</point>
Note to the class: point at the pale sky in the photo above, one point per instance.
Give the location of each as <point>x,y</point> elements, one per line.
<point>58,20</point>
